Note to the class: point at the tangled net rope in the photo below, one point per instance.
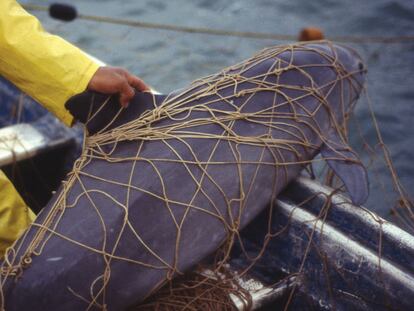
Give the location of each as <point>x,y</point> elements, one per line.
<point>222,126</point>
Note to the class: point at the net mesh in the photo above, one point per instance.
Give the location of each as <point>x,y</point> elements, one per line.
<point>211,111</point>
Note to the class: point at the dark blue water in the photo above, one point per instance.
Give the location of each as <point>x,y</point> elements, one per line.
<point>169,60</point>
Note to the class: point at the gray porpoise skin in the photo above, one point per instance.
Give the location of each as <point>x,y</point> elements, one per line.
<point>60,274</point>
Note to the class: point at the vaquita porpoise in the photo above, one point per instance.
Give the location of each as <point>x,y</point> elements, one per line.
<point>162,184</point>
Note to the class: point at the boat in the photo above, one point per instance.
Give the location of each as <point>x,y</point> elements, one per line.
<point>324,254</point>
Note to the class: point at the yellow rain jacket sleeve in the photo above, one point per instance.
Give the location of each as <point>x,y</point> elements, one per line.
<point>15,216</point>
<point>50,70</point>
<point>45,66</point>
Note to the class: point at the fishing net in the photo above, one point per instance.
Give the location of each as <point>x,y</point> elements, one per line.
<point>197,291</point>
<point>235,139</point>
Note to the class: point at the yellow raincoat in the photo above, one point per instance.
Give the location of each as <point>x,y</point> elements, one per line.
<point>47,68</point>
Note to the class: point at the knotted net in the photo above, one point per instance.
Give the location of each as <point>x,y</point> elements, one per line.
<point>217,152</point>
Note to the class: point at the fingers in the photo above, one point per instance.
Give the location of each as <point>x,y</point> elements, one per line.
<point>136,82</point>
<point>126,94</point>
<point>112,80</point>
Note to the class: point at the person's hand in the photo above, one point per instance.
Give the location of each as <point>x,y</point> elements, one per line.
<point>113,80</point>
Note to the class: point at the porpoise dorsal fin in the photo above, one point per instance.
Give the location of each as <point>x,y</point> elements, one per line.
<point>347,166</point>
<point>99,111</point>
